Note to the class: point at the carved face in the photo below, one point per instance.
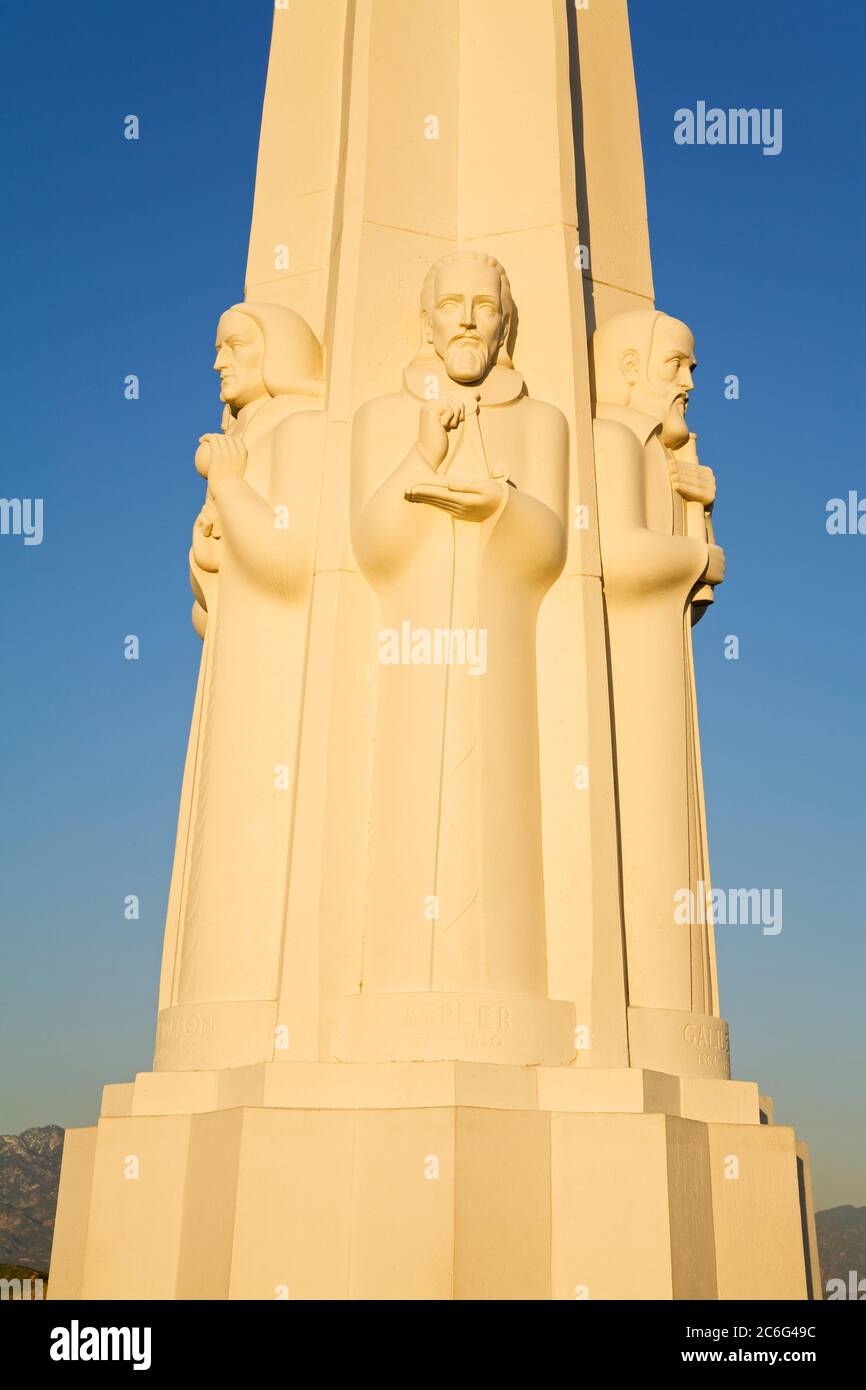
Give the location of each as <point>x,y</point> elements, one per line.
<point>467,325</point>
<point>661,386</point>
<point>240,357</point>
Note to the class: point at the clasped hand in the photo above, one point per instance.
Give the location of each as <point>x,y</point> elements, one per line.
<point>217,457</point>
<point>469,499</point>
<point>220,456</point>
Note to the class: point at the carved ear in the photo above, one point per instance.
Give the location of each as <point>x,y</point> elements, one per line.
<point>426,327</point>
<point>629,365</point>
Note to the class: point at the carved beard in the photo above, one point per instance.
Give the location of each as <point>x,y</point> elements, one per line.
<point>675,431</point>
<point>467,359</point>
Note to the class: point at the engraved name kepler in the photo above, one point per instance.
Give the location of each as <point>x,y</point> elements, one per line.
<point>494,1017</point>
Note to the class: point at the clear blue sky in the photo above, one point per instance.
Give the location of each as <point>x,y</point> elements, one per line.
<point>118,256</point>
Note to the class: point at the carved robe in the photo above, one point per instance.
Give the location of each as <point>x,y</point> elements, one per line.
<point>455,894</point>
<point>253,585</point>
<point>654,554</point>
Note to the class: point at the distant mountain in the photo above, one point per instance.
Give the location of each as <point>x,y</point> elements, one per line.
<point>842,1243</point>
<point>29,1176</point>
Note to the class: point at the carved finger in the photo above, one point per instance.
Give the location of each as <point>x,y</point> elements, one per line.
<point>468,489</point>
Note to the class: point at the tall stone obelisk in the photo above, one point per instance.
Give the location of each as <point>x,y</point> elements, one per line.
<point>421,1033</point>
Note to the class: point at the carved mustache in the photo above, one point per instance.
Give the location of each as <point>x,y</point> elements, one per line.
<point>467,338</point>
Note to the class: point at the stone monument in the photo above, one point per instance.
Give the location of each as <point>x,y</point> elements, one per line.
<point>429,1026</point>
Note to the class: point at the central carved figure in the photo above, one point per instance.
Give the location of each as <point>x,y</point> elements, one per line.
<point>459,502</point>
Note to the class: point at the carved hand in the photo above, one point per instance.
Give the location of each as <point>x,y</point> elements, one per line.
<point>715,571</point>
<point>221,456</point>
<point>469,500</point>
<point>205,537</point>
<point>207,520</point>
<point>693,481</point>
<point>437,418</point>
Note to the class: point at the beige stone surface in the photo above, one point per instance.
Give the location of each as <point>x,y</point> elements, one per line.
<point>135,1231</point>
<point>706,1099</point>
<point>814,1282</point>
<point>297,174</point>
<point>516,1201</point>
<point>756,1212</point>
<point>71,1226</point>
<point>603,1247</point>
<point>692,1232</point>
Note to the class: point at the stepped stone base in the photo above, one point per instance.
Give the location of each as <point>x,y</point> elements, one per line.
<point>441,1180</point>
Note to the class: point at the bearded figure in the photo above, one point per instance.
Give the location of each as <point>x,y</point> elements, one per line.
<point>660,565</point>
<point>459,504</point>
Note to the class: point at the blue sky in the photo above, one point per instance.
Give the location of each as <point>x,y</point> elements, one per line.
<point>119,255</point>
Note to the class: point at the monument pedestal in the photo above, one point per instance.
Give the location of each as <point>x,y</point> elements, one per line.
<point>431,1180</point>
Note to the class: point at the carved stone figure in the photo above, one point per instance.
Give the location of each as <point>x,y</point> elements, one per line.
<point>459,497</point>
<point>660,564</point>
<point>251,567</point>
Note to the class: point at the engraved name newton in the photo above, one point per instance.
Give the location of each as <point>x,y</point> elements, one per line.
<point>194,1026</point>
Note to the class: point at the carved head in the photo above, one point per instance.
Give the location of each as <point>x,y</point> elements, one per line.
<point>266,350</point>
<point>466,313</point>
<point>645,359</point>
